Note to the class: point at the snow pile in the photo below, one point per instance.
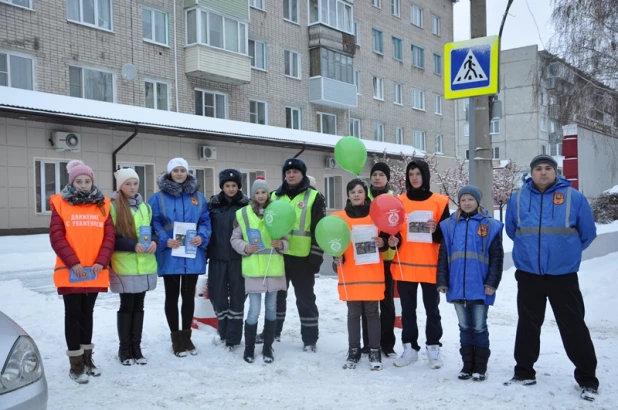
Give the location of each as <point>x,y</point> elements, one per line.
<point>605,206</point>
<point>612,190</point>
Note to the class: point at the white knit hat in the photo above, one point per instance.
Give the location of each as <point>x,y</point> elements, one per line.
<point>177,162</point>
<point>123,174</point>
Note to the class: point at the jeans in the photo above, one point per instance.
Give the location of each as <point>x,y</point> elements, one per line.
<point>473,325</point>
<point>255,302</point>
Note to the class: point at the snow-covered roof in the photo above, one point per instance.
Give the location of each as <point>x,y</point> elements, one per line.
<point>26,100</point>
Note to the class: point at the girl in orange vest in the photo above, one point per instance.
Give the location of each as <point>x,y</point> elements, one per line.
<point>361,280</point>
<point>81,233</point>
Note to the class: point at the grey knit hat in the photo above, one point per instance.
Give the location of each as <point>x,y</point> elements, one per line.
<point>470,190</point>
<point>259,183</point>
<point>544,159</point>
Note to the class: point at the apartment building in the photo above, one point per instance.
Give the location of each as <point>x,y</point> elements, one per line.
<point>369,68</point>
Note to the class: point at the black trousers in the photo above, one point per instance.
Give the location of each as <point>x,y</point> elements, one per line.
<point>431,299</point>
<point>387,314</point>
<point>78,310</point>
<point>568,305</point>
<point>226,289</point>
<point>303,281</point>
<point>371,325</point>
<point>179,285</point>
<point>132,302</point>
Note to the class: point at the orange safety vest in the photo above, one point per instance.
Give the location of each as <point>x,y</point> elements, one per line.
<point>84,226</point>
<point>359,282</point>
<point>418,261</point>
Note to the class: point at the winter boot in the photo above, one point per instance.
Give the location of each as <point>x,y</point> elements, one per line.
<point>589,393</point>
<point>269,337</point>
<point>186,336</point>
<point>91,369</point>
<point>375,359</point>
<point>259,339</point>
<point>124,338</point>
<point>354,356</point>
<point>521,381</point>
<point>178,344</point>
<point>408,356</point>
<point>433,355</point>
<point>481,357</point>
<point>467,355</point>
<point>136,338</point>
<point>250,331</point>
<point>78,369</point>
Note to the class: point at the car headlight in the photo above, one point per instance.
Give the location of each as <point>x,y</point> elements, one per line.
<point>23,365</point>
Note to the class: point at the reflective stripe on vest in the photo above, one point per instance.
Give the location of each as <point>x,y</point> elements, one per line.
<point>300,236</point>
<point>549,230</point>
<point>266,262</point>
<point>131,263</point>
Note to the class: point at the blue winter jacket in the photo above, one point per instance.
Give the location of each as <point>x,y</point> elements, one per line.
<point>179,203</point>
<point>550,229</point>
<point>471,257</point>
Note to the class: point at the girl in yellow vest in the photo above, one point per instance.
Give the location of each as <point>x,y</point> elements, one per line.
<point>81,233</point>
<point>134,263</point>
<point>361,274</point>
<point>262,267</point>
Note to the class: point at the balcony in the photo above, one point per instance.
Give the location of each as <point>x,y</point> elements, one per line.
<point>321,35</point>
<point>333,93</point>
<point>218,65</point>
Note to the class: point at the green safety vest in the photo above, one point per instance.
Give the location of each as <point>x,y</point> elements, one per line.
<point>390,191</point>
<point>300,236</point>
<point>265,262</point>
<point>389,254</point>
<point>131,263</point>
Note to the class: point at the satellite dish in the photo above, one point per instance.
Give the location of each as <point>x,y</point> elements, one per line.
<point>128,72</point>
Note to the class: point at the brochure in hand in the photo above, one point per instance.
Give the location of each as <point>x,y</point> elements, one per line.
<point>191,249</point>
<point>90,275</point>
<point>255,238</point>
<point>145,235</point>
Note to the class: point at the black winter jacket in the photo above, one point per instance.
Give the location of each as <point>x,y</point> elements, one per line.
<point>222,216</point>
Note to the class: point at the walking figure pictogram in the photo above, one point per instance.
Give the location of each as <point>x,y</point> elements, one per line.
<point>469,66</point>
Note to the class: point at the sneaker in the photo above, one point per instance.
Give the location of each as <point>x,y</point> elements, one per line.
<point>310,348</point>
<point>389,353</point>
<point>464,375</point>
<point>521,381</point>
<point>433,355</point>
<point>479,377</point>
<point>354,356</point>
<point>375,359</point>
<point>589,393</point>
<point>408,356</point>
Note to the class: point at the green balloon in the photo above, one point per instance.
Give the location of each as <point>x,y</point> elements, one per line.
<point>351,154</point>
<point>279,218</point>
<point>333,235</point>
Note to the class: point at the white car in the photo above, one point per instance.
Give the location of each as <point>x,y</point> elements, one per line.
<point>22,379</point>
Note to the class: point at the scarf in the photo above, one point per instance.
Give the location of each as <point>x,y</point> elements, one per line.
<point>75,197</point>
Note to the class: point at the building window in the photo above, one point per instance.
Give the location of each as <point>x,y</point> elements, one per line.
<point>327,123</point>
<point>396,7</point>
<point>378,88</point>
<point>436,25</point>
<point>418,99</point>
<point>334,13</point>
<point>210,104</point>
<point>543,98</point>
<point>398,92</point>
<point>439,147</point>
<point>16,71</point>
<point>397,49</point>
<point>292,63</point>
<point>376,3</point>
<point>157,95</point>
<point>51,176</point>
<point>437,106</point>
<point>377,44</point>
<point>495,153</point>
<point>437,64</point>
<point>357,34</point>
<point>466,130</point>
<point>418,57</point>
<point>27,4</point>
<point>543,149</point>
<point>206,179</point>
<point>248,177</point>
<point>290,10</point>
<point>552,126</point>
<point>206,27</point>
<point>357,81</point>
<point>332,65</point>
<point>95,13</point>
<point>399,135</point>
<point>494,127</point>
<point>293,118</point>
<point>257,4</point>
<point>378,131</point>
<point>91,84</point>
<point>543,124</point>
<point>154,26</point>
<point>416,16</point>
<point>258,112</point>
<point>258,53</point>
<point>355,127</point>
<point>333,187</point>
<point>468,154</point>
<point>146,176</point>
<point>555,149</point>
<point>419,140</point>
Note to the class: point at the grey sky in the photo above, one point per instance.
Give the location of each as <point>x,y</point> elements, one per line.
<point>519,29</point>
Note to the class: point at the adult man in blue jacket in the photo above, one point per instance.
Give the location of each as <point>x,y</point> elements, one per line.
<point>550,224</point>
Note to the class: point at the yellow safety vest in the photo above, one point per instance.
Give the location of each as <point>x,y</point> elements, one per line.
<point>131,263</point>
<point>265,262</point>
<point>300,236</point>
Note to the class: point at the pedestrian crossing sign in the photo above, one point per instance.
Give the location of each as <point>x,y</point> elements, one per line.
<point>471,67</point>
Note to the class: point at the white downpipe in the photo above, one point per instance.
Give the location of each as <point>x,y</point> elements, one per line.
<point>175,58</point>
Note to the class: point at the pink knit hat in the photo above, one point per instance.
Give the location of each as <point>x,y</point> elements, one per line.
<point>77,168</point>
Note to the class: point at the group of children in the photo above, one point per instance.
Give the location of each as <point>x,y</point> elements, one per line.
<point>99,244</point>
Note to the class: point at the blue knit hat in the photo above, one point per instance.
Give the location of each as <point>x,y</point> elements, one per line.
<point>470,190</point>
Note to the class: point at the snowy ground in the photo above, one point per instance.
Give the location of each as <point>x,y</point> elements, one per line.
<point>297,380</point>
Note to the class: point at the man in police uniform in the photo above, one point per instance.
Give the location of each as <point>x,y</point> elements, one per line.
<point>304,257</point>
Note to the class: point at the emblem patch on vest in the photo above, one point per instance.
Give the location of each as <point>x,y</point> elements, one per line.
<point>558,198</point>
<point>301,204</point>
<point>194,200</point>
<point>482,230</point>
